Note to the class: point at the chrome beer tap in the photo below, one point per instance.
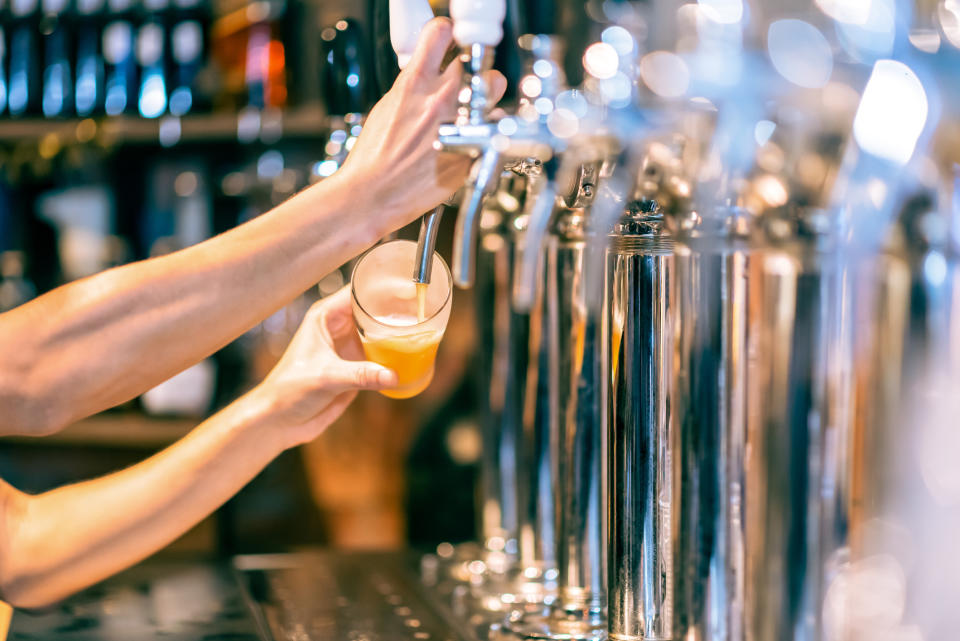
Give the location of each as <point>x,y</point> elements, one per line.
<point>497,513</point>
<point>640,326</point>
<point>407,19</point>
<point>477,29</point>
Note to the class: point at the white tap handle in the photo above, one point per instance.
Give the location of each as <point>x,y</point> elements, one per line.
<point>407,18</point>
<point>478,21</point>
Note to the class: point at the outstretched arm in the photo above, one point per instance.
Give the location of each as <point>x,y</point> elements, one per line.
<point>61,541</point>
<point>100,341</point>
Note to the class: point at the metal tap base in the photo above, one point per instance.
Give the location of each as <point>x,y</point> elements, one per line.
<point>322,595</point>
<point>527,590</point>
<point>556,624</point>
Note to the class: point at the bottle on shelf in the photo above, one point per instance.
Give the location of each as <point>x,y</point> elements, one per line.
<point>119,58</point>
<point>15,288</point>
<point>4,53</point>
<point>151,45</point>
<point>56,35</point>
<point>188,52</point>
<point>266,66</point>
<point>89,90</point>
<point>23,97</point>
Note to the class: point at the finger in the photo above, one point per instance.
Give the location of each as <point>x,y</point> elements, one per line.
<point>434,40</point>
<point>496,85</point>
<point>348,346</point>
<point>336,310</point>
<point>446,96</point>
<point>357,375</point>
<point>338,300</point>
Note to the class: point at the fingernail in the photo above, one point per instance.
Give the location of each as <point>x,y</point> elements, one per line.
<point>387,378</point>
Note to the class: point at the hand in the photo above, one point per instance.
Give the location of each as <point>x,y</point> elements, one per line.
<point>393,160</point>
<point>320,372</point>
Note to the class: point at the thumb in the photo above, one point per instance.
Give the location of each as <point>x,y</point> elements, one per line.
<point>497,85</point>
<point>434,40</point>
<point>356,375</point>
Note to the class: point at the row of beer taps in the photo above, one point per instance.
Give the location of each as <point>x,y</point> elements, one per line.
<point>720,299</point>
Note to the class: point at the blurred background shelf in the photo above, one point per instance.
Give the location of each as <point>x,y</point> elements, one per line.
<point>248,125</point>
<point>117,429</point>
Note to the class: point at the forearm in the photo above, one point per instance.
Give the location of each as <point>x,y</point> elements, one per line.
<point>64,540</point>
<point>98,342</point>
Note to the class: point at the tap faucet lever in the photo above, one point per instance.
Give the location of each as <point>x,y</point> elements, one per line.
<point>407,19</point>
<point>477,29</point>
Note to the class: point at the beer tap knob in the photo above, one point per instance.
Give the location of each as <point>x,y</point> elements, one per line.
<point>407,19</point>
<point>477,29</point>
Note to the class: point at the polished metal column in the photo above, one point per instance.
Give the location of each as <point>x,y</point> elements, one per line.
<point>797,484</point>
<point>639,335</point>
<point>536,472</point>
<point>572,331</point>
<point>781,498</point>
<point>709,424</point>
<point>527,422</point>
<point>498,464</point>
<point>580,610</point>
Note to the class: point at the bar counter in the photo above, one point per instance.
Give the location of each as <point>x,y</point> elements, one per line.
<point>311,595</point>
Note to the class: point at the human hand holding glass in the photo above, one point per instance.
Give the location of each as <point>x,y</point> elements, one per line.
<point>401,324</point>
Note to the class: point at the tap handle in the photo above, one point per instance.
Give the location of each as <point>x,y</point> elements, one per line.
<point>478,22</point>
<point>346,70</point>
<point>407,19</point>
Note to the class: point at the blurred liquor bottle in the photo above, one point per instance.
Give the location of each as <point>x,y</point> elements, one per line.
<point>188,51</point>
<point>56,32</point>
<point>15,288</point>
<point>15,285</point>
<point>120,62</point>
<point>25,61</point>
<point>151,46</point>
<point>89,91</point>
<point>248,46</point>
<point>4,52</point>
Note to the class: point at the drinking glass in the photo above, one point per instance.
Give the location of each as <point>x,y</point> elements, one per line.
<point>400,322</point>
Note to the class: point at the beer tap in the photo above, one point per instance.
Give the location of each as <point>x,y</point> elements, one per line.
<point>407,19</point>
<point>477,30</point>
<point>582,192</point>
<point>481,568</point>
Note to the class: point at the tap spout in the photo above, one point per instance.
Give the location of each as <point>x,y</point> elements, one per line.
<point>484,176</point>
<point>423,262</point>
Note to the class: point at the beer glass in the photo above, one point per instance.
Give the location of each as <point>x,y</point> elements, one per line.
<point>401,322</point>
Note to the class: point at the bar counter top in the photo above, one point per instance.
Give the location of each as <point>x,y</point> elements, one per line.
<point>176,600</point>
<point>314,595</point>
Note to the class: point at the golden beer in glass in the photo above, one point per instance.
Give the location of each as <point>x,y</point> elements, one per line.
<point>401,324</point>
